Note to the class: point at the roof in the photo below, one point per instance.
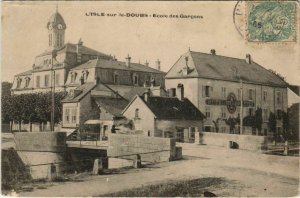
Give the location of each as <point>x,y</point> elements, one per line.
<point>114,106</point>
<point>295,89</point>
<point>135,91</point>
<point>79,93</point>
<point>172,108</point>
<point>72,48</point>
<point>222,68</point>
<point>114,64</point>
<point>56,19</point>
<point>25,73</point>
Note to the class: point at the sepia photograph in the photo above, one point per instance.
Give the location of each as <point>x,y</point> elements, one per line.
<point>150,98</point>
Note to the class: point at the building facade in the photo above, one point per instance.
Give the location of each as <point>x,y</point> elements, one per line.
<point>217,85</point>
<point>158,116</point>
<point>51,67</point>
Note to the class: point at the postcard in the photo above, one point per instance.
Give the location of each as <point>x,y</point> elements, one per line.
<point>150,98</point>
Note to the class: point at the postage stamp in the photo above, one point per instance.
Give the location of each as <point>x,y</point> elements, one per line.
<point>271,21</point>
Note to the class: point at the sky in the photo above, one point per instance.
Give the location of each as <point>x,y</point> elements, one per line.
<point>24,34</point>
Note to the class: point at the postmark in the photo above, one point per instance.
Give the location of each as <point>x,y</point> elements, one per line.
<point>271,21</point>
<point>239,17</point>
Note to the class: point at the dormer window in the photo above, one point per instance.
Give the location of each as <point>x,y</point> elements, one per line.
<point>135,79</point>
<point>19,81</point>
<point>27,81</point>
<point>85,74</point>
<point>73,77</point>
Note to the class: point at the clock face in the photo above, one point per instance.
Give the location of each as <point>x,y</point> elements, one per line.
<point>60,26</point>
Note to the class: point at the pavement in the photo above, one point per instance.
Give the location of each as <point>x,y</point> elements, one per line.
<point>246,174</point>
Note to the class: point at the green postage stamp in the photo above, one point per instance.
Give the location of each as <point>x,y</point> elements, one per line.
<point>271,21</point>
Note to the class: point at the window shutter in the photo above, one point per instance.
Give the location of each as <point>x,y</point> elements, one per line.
<point>203,91</point>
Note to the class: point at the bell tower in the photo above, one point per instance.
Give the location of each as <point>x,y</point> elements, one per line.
<point>56,31</point>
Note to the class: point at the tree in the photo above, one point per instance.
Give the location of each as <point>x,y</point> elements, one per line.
<point>31,108</point>
<point>5,88</point>
<point>272,125</point>
<point>258,120</point>
<point>285,126</point>
<point>216,123</point>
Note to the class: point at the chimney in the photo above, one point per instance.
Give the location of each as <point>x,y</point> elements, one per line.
<point>248,58</point>
<point>213,51</point>
<point>158,64</point>
<point>180,90</point>
<point>128,58</point>
<point>146,63</point>
<point>79,51</point>
<point>172,92</point>
<point>146,95</point>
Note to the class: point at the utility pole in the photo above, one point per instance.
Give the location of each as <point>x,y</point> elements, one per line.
<point>53,91</point>
<point>241,111</point>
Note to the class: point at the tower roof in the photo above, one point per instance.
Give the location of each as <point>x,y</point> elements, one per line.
<point>56,19</point>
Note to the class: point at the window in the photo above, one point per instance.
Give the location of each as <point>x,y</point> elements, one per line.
<point>116,78</point>
<point>207,112</point>
<point>38,82</point>
<point>136,116</point>
<point>206,91</point>
<point>135,79</point>
<point>57,40</point>
<point>85,75</point>
<point>19,81</point>
<point>27,80</point>
<point>47,80</point>
<point>265,96</point>
<point>223,92</point>
<point>50,39</point>
<point>278,97</point>
<point>56,79</point>
<point>223,112</point>
<point>74,112</point>
<point>250,94</point>
<point>67,115</point>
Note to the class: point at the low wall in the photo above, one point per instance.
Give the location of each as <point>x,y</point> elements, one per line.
<point>246,142</point>
<point>151,149</point>
<point>38,150</point>
<point>40,141</point>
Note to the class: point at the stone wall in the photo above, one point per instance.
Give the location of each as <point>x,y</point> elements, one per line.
<point>151,149</point>
<point>38,150</point>
<point>41,141</point>
<point>246,142</point>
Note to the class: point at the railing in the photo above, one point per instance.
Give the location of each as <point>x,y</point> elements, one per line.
<point>87,137</point>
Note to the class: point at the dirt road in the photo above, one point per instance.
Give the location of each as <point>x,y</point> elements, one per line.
<point>247,173</point>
